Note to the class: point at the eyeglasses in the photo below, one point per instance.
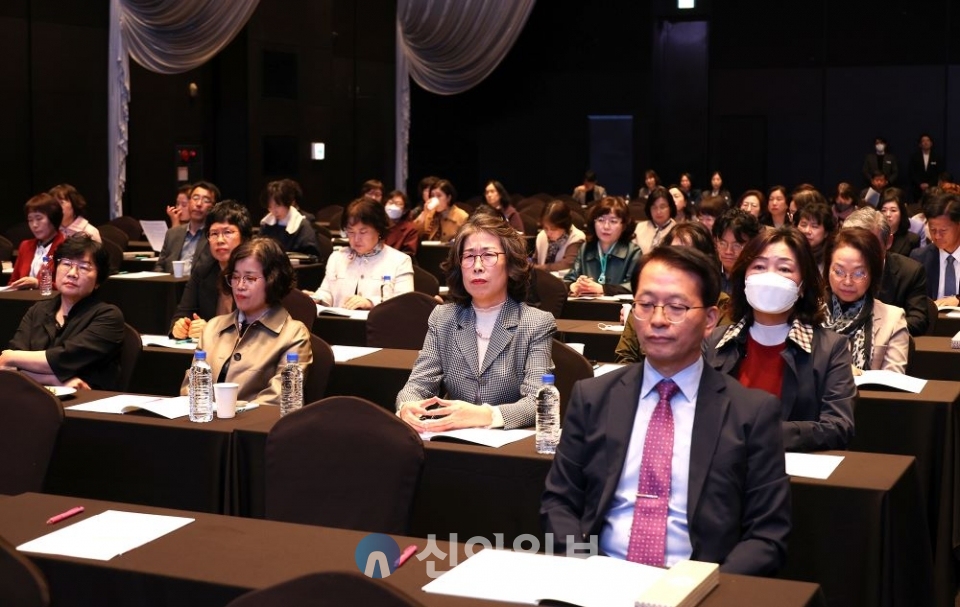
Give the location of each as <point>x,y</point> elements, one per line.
<point>858,276</point>
<point>674,312</point>
<point>487,258</point>
<point>225,234</point>
<point>734,247</point>
<point>610,221</point>
<point>81,266</point>
<point>235,280</point>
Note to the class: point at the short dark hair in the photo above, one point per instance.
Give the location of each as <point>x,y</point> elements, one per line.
<point>846,191</point>
<point>651,173</point>
<point>699,236</point>
<point>48,205</point>
<point>371,185</point>
<point>77,246</point>
<point>691,260</point>
<point>65,191</point>
<point>807,197</point>
<point>897,196</point>
<point>864,241</point>
<point>427,182</point>
<point>402,196</point>
<point>819,212</point>
<point>809,307</point>
<point>615,205</point>
<point>657,193</point>
<point>745,227</point>
<point>277,269</point>
<point>286,192</point>
<point>505,201</point>
<point>590,176</point>
<point>184,189</point>
<point>447,188</point>
<point>232,212</point>
<point>760,197</point>
<point>368,212</point>
<point>943,205</point>
<point>557,214</point>
<point>714,206</point>
<point>514,245</point>
<point>206,185</point>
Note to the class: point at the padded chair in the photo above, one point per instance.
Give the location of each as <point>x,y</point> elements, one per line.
<point>425,282</point>
<point>326,245</point>
<point>130,226</point>
<point>932,314</point>
<point>318,375</point>
<point>22,584</point>
<point>129,355</point>
<point>328,589</point>
<point>17,233</point>
<point>343,462</point>
<point>300,307</point>
<point>336,221</point>
<point>6,249</point>
<point>114,253</point>
<point>467,206</point>
<point>547,292</point>
<point>546,198</point>
<point>531,203</point>
<point>114,234</point>
<point>531,221</point>
<point>327,212</point>
<point>400,322</point>
<point>569,367</point>
<point>30,418</point>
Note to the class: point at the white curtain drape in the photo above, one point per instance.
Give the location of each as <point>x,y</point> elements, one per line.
<point>167,37</point>
<point>448,47</point>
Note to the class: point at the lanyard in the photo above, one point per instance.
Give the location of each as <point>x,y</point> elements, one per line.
<point>603,262</point>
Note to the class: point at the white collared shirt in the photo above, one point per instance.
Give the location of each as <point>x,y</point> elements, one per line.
<point>615,534</point>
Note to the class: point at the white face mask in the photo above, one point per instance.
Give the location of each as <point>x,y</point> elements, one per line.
<point>770,292</point>
<point>433,203</point>
<point>394,212</point>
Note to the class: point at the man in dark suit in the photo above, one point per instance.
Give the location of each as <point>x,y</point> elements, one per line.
<point>941,258</point>
<point>724,497</point>
<point>188,241</point>
<point>925,166</point>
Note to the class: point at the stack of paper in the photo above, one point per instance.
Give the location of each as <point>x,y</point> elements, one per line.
<point>171,408</point>
<point>955,342</point>
<point>683,585</point>
<point>489,437</point>
<point>891,379</point>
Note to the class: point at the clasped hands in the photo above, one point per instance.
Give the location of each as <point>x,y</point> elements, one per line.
<point>586,286</point>
<point>435,414</point>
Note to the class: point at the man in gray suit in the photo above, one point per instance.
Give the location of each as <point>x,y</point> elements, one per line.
<point>188,241</point>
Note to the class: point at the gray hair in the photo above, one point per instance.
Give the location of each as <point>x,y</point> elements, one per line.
<point>869,219</point>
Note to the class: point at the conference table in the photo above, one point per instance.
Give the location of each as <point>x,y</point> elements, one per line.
<point>215,559</point>
<point>599,338</point>
<point>933,358</point>
<point>947,325</point>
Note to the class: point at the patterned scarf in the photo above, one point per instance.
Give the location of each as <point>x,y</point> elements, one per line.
<point>856,322</point>
<point>554,247</point>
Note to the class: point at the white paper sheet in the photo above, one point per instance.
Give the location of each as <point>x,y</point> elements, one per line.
<point>891,379</point>
<point>167,342</point>
<point>812,465</point>
<point>138,275</point>
<point>105,535</point>
<point>355,314</point>
<point>155,231</point>
<point>342,354</point>
<point>488,437</point>
<point>171,408</point>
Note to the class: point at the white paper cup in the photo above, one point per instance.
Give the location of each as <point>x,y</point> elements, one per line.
<point>178,267</point>
<point>225,396</point>
<point>577,347</point>
<point>625,312</point>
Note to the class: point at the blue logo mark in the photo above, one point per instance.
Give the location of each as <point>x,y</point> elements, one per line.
<point>376,554</point>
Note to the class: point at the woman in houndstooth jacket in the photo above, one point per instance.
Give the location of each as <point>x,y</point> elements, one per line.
<point>484,355</point>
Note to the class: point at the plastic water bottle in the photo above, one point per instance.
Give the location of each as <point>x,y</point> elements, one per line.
<point>46,277</point>
<point>200,389</point>
<point>548,416</point>
<point>386,289</point>
<point>291,384</point>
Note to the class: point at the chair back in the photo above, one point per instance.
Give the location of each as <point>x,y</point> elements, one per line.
<point>530,203</point>
<point>569,367</point>
<point>299,305</point>
<point>425,282</point>
<point>114,253</point>
<point>325,244</point>
<point>547,292</point>
<point>400,322</point>
<point>343,462</point>
<point>112,233</point>
<point>17,233</point>
<point>129,355</point>
<point>130,226</point>
<point>30,418</point>
<point>327,212</point>
<point>327,589</point>
<point>6,249</point>
<point>21,583</point>
<point>932,314</point>
<point>531,221</point>
<point>318,374</point>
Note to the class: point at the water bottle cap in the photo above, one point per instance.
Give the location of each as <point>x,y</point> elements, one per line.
<point>200,355</point>
<point>548,378</point>
<point>386,277</point>
<point>46,258</point>
<point>293,357</point>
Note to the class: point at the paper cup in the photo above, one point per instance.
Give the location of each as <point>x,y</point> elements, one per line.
<point>625,312</point>
<point>178,267</point>
<point>226,397</point>
<point>577,347</point>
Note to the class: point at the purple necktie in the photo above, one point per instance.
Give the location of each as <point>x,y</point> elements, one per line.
<point>648,533</point>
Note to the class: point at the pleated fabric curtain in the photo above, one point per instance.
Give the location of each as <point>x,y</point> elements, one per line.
<point>167,37</point>
<point>448,47</point>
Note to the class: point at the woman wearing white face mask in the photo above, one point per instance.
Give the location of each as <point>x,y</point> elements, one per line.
<point>401,234</point>
<point>777,344</point>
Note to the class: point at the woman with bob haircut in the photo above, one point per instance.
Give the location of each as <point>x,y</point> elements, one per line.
<point>558,241</point>
<point>441,217</point>
<point>753,202</point>
<point>817,223</point>
<point>74,206</point>
<point>355,274</point>
<point>44,215</point>
<point>661,210</point>
<point>285,222</point>
<point>496,197</point>
<point>778,343</point>
<point>608,260</point>
<point>895,211</point>
<point>401,234</point>
<point>778,208</point>
<point>249,346</point>
<point>487,350</point>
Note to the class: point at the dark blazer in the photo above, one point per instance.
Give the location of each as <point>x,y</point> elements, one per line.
<point>173,244</point>
<point>903,244</point>
<point>817,395</point>
<point>201,294</point>
<point>738,500</point>
<point>304,240</point>
<point>929,258</point>
<point>904,285</point>
<point>929,176</point>
<point>621,266</point>
<point>886,164</point>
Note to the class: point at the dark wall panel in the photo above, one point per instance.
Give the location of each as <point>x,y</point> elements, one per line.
<point>15,158</point>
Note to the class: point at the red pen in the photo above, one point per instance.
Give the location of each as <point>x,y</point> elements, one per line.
<point>404,556</point>
<point>64,515</point>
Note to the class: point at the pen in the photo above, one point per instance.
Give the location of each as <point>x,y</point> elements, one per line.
<point>404,556</point>
<point>64,515</point>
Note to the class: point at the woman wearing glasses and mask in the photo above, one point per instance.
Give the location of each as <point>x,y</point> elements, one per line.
<point>484,356</point>
<point>249,346</point>
<point>72,339</point>
<point>608,259</point>
<point>778,344</point>
<point>356,274</point>
<point>227,226</point>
